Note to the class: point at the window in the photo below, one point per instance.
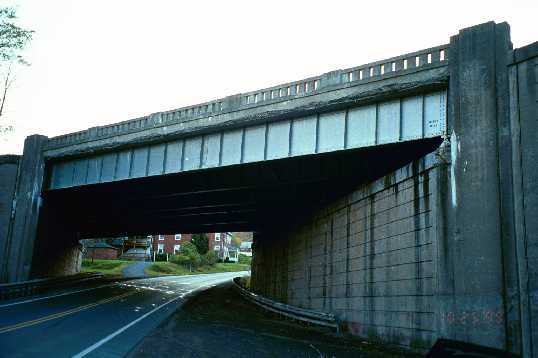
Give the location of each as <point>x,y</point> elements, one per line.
<point>217,248</point>
<point>217,236</point>
<point>160,248</point>
<point>177,236</point>
<point>161,237</point>
<point>176,249</point>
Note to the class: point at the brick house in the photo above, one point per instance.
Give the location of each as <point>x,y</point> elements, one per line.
<point>102,251</point>
<point>219,242</point>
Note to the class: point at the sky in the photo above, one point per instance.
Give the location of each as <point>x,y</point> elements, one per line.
<point>102,61</point>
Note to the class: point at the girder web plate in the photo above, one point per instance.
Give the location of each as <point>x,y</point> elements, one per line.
<point>399,120</point>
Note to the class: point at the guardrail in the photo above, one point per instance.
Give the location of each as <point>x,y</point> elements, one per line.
<point>300,314</point>
<point>32,287</point>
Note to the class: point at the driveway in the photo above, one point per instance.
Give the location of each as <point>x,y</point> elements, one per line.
<point>136,269</point>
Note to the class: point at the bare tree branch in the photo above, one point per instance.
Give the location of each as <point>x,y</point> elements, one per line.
<point>7,84</point>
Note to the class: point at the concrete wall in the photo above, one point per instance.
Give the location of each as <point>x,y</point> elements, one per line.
<point>475,267</point>
<point>8,179</point>
<point>524,127</point>
<point>369,258</point>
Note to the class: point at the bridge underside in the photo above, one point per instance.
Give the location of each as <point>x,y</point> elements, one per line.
<point>234,198</point>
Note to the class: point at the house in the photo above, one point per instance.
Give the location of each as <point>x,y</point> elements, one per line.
<point>101,251</point>
<point>168,244</point>
<point>219,242</point>
<point>246,248</point>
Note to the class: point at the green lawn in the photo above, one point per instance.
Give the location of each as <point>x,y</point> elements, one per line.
<point>107,267</point>
<point>168,268</point>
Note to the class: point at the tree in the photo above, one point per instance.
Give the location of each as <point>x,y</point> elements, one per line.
<point>236,241</point>
<point>13,40</point>
<point>188,256</point>
<point>201,242</point>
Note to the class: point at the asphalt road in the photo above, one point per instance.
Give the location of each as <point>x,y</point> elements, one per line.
<point>103,321</point>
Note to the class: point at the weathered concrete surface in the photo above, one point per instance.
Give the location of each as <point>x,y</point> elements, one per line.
<point>523,74</point>
<point>407,74</point>
<point>483,204</point>
<point>471,276</point>
<point>369,258</point>
<point>27,204</point>
<point>8,179</point>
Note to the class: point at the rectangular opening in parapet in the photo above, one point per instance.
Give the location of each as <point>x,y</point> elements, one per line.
<point>264,95</point>
<point>442,55</point>
<point>417,61</point>
<point>306,87</point>
<point>405,64</point>
<point>288,91</point>
<point>316,85</point>
<point>280,93</point>
<point>429,58</point>
<point>360,75</point>
<point>272,94</point>
<point>350,76</point>
<point>297,89</point>
<point>382,69</point>
<point>371,71</point>
<point>393,66</point>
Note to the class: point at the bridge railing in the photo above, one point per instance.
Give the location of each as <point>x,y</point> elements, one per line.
<point>375,71</point>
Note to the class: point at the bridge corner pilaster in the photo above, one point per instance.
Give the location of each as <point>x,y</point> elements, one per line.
<point>475,240</point>
<point>26,208</point>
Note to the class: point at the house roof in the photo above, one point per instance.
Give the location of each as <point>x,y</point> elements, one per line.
<point>100,245</point>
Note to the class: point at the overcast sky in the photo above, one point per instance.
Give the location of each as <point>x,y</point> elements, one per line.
<point>103,61</point>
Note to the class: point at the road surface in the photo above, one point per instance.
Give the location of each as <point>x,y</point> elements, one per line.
<point>103,321</point>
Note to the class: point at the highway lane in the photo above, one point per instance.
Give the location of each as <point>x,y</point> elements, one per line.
<point>104,321</point>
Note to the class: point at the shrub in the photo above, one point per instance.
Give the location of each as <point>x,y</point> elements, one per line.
<point>244,259</point>
<point>210,258</point>
<point>160,257</point>
<point>179,259</point>
<point>188,257</point>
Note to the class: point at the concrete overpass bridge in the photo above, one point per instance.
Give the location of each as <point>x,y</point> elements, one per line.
<point>397,195</point>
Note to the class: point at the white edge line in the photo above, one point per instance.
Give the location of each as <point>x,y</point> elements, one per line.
<point>57,295</point>
<point>127,326</point>
<point>119,331</point>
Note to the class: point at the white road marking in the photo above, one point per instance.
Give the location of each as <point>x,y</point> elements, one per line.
<point>122,329</point>
<point>98,344</point>
<point>57,295</point>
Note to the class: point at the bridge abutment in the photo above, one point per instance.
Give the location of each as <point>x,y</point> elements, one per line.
<point>9,165</point>
<point>26,207</point>
<point>467,275</point>
<point>368,257</point>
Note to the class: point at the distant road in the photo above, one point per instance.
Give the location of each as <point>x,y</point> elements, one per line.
<point>104,321</point>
